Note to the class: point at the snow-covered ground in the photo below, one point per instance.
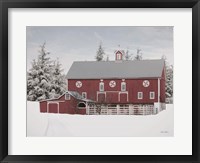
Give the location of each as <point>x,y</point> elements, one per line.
<point>55,125</point>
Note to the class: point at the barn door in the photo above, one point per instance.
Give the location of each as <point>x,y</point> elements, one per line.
<point>52,107</point>
<point>101,97</point>
<point>123,97</point>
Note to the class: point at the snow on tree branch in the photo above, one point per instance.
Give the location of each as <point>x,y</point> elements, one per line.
<point>45,79</point>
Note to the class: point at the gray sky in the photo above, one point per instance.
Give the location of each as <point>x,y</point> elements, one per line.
<point>80,43</point>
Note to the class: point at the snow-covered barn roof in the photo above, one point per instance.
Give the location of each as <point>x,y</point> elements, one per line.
<point>78,96</point>
<point>75,94</point>
<point>116,69</point>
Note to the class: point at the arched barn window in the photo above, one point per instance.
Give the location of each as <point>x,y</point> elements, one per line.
<point>123,86</point>
<point>118,56</point>
<point>81,105</point>
<point>101,86</point>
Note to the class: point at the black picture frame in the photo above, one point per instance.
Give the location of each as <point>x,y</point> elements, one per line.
<point>4,94</point>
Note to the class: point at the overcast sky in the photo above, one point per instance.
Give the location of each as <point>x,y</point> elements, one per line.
<point>80,43</point>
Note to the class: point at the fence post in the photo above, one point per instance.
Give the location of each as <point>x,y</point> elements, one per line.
<point>117,109</point>
<point>95,109</point>
<point>86,108</point>
<point>143,109</point>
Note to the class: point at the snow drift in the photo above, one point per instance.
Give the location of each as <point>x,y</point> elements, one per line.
<point>65,125</point>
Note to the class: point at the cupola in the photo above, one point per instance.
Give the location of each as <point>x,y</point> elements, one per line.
<point>119,55</point>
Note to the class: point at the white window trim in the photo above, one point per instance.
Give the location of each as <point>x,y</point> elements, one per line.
<point>101,90</point>
<point>123,83</point>
<point>85,94</point>
<point>141,95</point>
<point>153,95</point>
<point>68,96</point>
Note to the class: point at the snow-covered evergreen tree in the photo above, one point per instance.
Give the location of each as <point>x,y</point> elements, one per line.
<point>138,55</point>
<point>100,53</point>
<point>58,82</point>
<point>107,58</point>
<point>41,78</point>
<point>128,56</point>
<point>169,81</point>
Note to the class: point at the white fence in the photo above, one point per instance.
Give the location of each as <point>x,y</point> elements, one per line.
<point>121,110</point>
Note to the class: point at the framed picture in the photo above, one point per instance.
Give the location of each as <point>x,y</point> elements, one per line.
<point>78,94</point>
<point>99,81</point>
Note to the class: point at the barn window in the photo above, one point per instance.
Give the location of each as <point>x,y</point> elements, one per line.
<point>67,96</point>
<point>123,86</point>
<point>84,94</point>
<point>152,95</point>
<point>101,86</point>
<point>140,95</point>
<point>81,105</point>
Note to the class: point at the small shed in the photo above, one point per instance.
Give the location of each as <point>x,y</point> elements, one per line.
<point>70,102</point>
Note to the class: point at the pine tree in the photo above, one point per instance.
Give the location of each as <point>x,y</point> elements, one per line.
<point>100,53</point>
<point>107,58</point>
<point>169,81</point>
<point>41,78</point>
<point>128,56</point>
<point>58,82</point>
<point>138,55</point>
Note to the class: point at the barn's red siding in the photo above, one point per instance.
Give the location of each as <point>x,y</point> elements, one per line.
<point>62,107</point>
<point>43,106</point>
<point>101,98</point>
<point>124,98</point>
<point>62,98</point>
<point>162,87</point>
<point>133,86</point>
<point>53,108</point>
<point>81,111</point>
<point>111,97</point>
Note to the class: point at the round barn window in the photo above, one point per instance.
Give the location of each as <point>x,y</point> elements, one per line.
<point>78,84</point>
<point>112,84</point>
<point>146,83</point>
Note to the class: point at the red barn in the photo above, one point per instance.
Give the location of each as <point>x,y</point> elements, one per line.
<point>112,87</point>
